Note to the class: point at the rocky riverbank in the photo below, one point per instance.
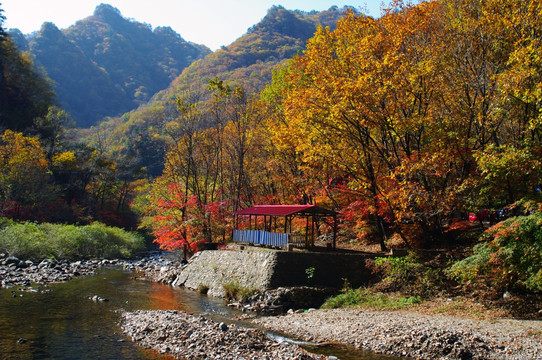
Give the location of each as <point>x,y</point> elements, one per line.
<point>283,299</point>
<point>18,272</point>
<point>159,266</point>
<point>186,336</point>
<point>415,335</point>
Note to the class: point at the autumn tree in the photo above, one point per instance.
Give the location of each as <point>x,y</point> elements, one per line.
<point>363,93</point>
<point>212,167</point>
<point>412,115</point>
<point>184,202</point>
<point>510,165</point>
<point>24,178</point>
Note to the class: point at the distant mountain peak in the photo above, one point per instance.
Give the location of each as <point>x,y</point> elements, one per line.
<point>49,26</point>
<point>107,64</point>
<point>108,12</point>
<point>50,30</point>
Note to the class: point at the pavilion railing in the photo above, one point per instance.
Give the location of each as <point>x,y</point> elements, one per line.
<point>298,240</point>
<point>265,238</point>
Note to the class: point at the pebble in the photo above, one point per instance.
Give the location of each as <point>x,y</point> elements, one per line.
<point>414,335</point>
<point>186,336</point>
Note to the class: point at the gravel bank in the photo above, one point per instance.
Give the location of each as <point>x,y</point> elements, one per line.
<point>159,266</point>
<point>186,336</point>
<point>20,272</point>
<point>415,335</point>
<point>16,272</point>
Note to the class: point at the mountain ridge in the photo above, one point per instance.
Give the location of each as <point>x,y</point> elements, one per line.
<point>248,62</point>
<point>136,61</point>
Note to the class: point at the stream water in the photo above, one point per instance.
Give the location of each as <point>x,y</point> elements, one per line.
<point>59,321</point>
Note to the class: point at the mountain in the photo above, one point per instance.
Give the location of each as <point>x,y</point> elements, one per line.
<point>105,65</point>
<point>24,94</point>
<point>247,62</point>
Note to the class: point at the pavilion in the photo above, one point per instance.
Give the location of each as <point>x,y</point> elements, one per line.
<point>276,229</point>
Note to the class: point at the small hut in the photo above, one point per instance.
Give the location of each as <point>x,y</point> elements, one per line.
<point>276,228</point>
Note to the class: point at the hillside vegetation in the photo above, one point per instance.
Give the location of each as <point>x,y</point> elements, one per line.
<point>105,65</point>
<point>248,62</point>
<point>422,129</point>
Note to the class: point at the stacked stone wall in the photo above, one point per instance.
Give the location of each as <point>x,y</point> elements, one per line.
<point>271,269</point>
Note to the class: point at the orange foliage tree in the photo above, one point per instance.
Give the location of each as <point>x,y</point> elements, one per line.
<point>406,109</point>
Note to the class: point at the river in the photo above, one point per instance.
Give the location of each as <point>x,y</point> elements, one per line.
<point>60,321</point>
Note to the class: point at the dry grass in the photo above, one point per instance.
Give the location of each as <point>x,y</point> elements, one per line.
<point>460,307</point>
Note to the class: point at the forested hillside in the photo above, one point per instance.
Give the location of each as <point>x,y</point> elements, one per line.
<point>24,93</point>
<point>140,136</point>
<point>52,173</point>
<point>402,124</point>
<point>422,129</point>
<point>105,65</point>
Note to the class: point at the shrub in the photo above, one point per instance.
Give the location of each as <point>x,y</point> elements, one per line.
<point>38,241</point>
<point>511,255</point>
<point>234,291</point>
<point>5,222</point>
<point>409,274</point>
<point>397,269</point>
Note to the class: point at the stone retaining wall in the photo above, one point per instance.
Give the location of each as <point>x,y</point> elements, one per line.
<point>271,269</point>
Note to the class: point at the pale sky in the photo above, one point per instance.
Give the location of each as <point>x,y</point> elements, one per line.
<point>210,22</point>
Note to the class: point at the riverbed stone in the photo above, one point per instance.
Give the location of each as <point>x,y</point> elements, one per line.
<point>415,335</point>
<point>186,336</point>
<point>46,263</point>
<point>11,260</point>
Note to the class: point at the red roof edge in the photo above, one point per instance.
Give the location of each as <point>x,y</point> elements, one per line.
<point>274,210</point>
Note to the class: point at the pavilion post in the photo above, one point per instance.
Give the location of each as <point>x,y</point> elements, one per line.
<point>307,232</point>
<point>334,231</point>
<point>313,228</point>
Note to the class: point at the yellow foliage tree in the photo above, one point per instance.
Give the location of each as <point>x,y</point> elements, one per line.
<point>23,172</point>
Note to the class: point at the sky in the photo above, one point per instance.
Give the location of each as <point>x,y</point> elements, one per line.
<point>210,22</point>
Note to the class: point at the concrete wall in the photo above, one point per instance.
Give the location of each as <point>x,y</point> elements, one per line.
<point>271,269</point>
<point>330,269</point>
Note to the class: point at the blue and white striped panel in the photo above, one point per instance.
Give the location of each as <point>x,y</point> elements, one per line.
<point>259,237</point>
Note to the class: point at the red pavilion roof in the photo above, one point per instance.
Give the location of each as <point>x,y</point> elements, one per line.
<point>281,210</point>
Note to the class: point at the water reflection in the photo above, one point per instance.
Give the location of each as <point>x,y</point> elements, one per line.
<point>63,323</point>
